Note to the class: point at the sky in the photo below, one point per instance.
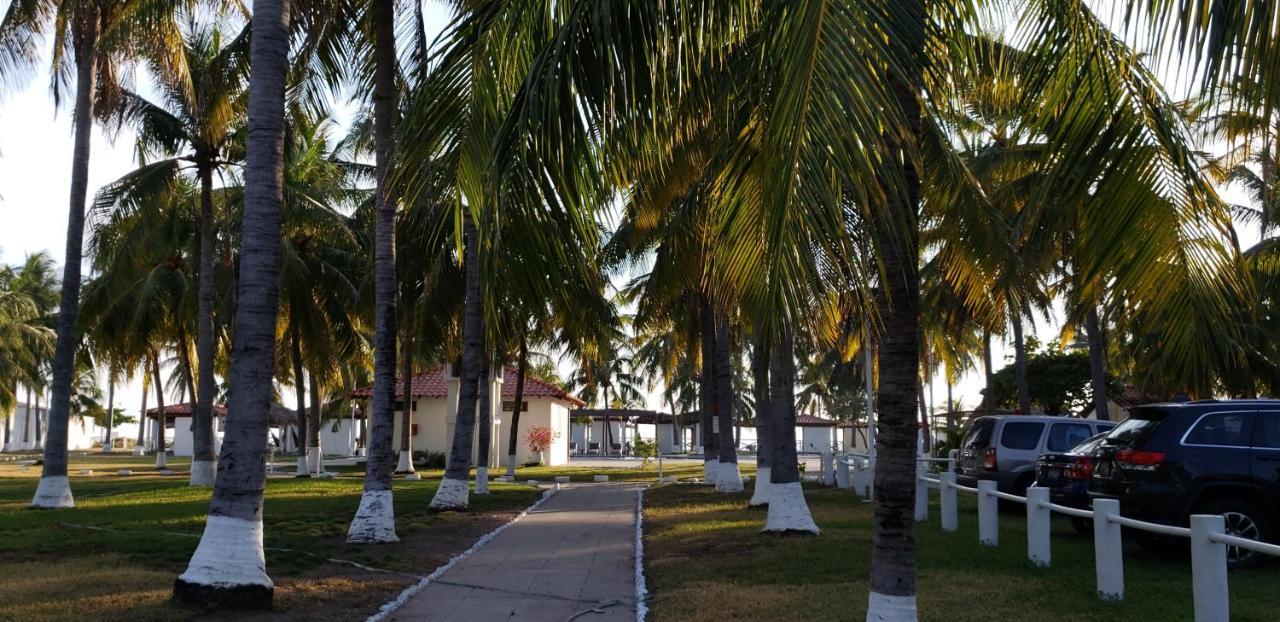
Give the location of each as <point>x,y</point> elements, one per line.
<point>35,156</point>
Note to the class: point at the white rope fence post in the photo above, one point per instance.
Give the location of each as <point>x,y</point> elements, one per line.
<point>947,497</point>
<point>922,494</point>
<point>1038,519</point>
<point>1108,549</point>
<point>1209,569</point>
<point>859,479</point>
<point>988,514</point>
<point>828,469</point>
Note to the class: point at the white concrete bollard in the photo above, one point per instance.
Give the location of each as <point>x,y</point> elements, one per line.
<point>1209,569</point>
<point>601,478</point>
<point>842,474</point>
<point>1108,549</point>
<point>1038,521</point>
<point>988,514</point>
<point>828,470</point>
<point>859,478</point>
<point>947,497</point>
<point>562,479</point>
<point>922,495</point>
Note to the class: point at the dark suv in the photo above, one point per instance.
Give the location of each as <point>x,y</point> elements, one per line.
<point>1169,461</point>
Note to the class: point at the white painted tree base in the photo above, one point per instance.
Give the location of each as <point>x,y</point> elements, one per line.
<point>451,495</point>
<point>511,466</point>
<point>729,479</point>
<point>375,520</point>
<point>203,472</point>
<point>405,465</point>
<point>162,460</point>
<point>788,510</point>
<point>137,451</point>
<point>482,480</point>
<point>763,488</point>
<point>229,554</point>
<point>710,469</point>
<point>315,464</point>
<point>53,492</point>
<point>302,468</point>
<point>885,608</point>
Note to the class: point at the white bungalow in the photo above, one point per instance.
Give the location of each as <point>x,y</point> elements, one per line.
<point>179,429</point>
<point>26,427</point>
<point>817,435</point>
<point>434,406</point>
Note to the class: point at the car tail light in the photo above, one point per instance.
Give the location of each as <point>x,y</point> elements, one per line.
<point>1146,460</point>
<point>989,459</point>
<point>1082,468</point>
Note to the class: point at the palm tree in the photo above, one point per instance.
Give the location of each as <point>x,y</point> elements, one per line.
<point>228,568</point>
<point>193,127</point>
<point>89,41</point>
<point>375,520</point>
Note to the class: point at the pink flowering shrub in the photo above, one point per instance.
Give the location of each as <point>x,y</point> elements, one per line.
<point>540,437</point>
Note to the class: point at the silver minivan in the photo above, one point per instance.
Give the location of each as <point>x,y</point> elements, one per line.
<point>1004,448</point>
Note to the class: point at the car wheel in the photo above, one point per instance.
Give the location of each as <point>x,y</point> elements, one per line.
<point>1083,526</point>
<point>1245,520</point>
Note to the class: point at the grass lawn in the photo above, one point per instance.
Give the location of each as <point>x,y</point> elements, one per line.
<point>116,554</point>
<point>704,559</point>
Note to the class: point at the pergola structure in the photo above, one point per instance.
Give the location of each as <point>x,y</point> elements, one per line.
<point>629,420</point>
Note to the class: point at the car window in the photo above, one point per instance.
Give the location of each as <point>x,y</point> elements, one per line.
<point>1064,436</point>
<point>979,436</point>
<point>1140,424</point>
<point>1105,427</point>
<point>1225,429</point>
<point>1267,432</point>
<point>1021,434</point>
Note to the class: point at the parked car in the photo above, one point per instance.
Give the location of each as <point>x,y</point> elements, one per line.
<point>1169,461</point>
<point>1067,476</point>
<point>1004,448</point>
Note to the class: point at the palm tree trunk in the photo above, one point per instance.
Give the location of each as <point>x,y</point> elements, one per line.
<point>162,457</point>
<point>26,419</point>
<point>37,421</point>
<point>300,395</point>
<point>54,490</point>
<point>203,467</point>
<point>1020,362</point>
<point>406,379</point>
<point>375,518</point>
<point>140,446</point>
<point>710,458</point>
<point>484,436</point>
<point>924,419</point>
<point>729,479</point>
<point>1097,364</point>
<point>788,511</point>
<point>764,421</point>
<point>452,493</point>
<point>315,455</point>
<point>111,413</point>
<point>988,401</point>
<point>893,571</point>
<point>228,568</point>
<point>513,435</point>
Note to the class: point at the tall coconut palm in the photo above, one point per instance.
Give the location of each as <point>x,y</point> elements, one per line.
<point>193,127</point>
<point>228,567</point>
<point>89,40</point>
<point>375,519</point>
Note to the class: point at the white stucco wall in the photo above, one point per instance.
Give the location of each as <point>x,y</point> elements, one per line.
<point>337,437</point>
<point>182,438</point>
<point>815,439</point>
<point>81,432</point>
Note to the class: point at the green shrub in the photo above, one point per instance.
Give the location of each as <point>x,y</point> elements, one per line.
<point>429,459</point>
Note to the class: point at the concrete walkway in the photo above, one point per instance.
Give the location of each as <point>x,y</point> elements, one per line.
<point>572,559</point>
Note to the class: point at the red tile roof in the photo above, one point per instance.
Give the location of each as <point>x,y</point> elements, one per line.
<point>810,421</point>
<point>183,410</point>
<point>432,383</point>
